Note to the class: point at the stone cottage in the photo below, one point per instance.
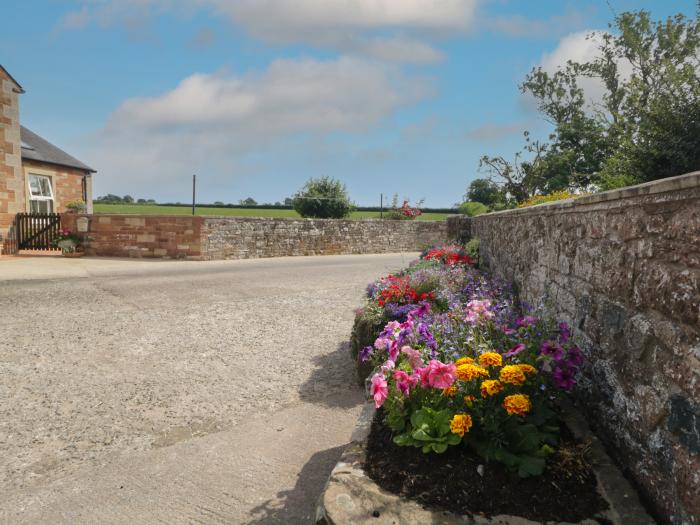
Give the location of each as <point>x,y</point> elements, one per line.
<point>35,175</point>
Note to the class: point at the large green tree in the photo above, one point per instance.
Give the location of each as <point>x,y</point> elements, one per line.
<point>645,126</point>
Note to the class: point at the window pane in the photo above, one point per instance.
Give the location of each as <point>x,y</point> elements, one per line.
<point>34,186</point>
<point>40,186</point>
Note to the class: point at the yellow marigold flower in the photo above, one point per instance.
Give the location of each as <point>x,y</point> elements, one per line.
<point>512,374</point>
<point>468,400</point>
<point>490,359</point>
<point>517,404</point>
<point>449,392</point>
<point>491,387</point>
<point>464,361</point>
<point>468,372</point>
<point>460,424</point>
<point>527,369</point>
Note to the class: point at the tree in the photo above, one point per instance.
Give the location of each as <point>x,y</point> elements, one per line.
<point>288,201</point>
<point>127,199</point>
<point>484,191</point>
<point>322,198</point>
<point>250,201</point>
<point>645,126</point>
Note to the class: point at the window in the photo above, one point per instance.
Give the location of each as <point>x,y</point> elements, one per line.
<point>40,194</point>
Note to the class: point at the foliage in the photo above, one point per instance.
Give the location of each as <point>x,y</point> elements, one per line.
<point>645,126</point>
<point>322,198</point>
<point>472,249</point>
<point>484,191</point>
<point>472,209</point>
<point>250,201</point>
<point>77,206</point>
<point>542,199</point>
<point>67,241</point>
<point>405,212</point>
<point>481,373</point>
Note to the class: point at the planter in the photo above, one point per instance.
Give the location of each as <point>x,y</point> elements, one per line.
<point>73,254</point>
<point>351,496</point>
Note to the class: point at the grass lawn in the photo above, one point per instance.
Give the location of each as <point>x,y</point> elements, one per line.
<point>147,209</point>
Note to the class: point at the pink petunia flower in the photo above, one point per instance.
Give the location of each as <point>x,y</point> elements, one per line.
<point>405,382</point>
<point>379,389</point>
<point>414,357</point>
<point>437,374</point>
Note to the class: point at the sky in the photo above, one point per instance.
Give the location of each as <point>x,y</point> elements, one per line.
<point>257,96</point>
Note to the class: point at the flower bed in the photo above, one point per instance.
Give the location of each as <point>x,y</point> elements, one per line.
<point>469,379</point>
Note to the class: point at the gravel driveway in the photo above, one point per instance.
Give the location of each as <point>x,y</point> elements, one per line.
<point>175,392</point>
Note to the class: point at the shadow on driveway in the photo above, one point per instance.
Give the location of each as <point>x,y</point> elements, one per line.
<point>291,506</point>
<point>333,382</point>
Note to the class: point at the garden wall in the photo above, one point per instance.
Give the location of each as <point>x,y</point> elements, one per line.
<point>210,238</point>
<point>623,267</point>
<point>251,237</point>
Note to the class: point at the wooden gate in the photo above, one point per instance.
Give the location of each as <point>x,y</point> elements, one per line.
<point>37,231</point>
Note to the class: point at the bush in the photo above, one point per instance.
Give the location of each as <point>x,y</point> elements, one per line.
<point>323,198</point>
<point>77,206</point>
<point>472,209</point>
<point>554,196</point>
<point>403,213</point>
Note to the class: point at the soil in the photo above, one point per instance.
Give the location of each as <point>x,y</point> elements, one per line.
<point>451,481</point>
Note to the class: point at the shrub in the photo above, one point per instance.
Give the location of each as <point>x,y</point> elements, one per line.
<point>405,212</point>
<point>77,206</point>
<point>322,198</point>
<point>554,196</point>
<point>472,209</point>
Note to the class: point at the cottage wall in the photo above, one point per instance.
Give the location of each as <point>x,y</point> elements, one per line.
<point>12,192</point>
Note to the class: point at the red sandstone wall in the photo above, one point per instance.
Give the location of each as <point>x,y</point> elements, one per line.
<point>176,237</point>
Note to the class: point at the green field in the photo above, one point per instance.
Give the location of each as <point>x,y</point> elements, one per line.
<point>149,209</point>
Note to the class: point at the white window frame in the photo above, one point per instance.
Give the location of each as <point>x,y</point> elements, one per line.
<point>49,199</point>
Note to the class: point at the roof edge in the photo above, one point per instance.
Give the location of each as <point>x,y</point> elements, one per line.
<point>20,89</point>
<point>78,168</point>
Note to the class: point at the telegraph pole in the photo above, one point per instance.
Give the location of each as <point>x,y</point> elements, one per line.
<point>194,192</point>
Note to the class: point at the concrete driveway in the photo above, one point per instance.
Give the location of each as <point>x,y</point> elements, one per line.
<point>175,392</point>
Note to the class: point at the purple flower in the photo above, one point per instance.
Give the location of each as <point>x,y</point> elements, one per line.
<point>574,357</point>
<point>365,353</point>
<point>564,378</point>
<point>552,349</point>
<point>526,321</point>
<point>515,350</point>
<point>564,332</point>
<point>371,290</point>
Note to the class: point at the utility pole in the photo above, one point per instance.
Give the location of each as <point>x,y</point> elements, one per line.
<point>194,192</point>
<point>381,205</point>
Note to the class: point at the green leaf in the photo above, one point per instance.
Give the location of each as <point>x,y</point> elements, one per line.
<point>530,466</point>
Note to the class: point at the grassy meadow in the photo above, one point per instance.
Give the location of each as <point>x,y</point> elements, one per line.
<point>149,209</point>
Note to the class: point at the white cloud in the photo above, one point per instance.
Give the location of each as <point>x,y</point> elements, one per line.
<point>582,46</point>
<point>349,26</point>
<point>216,122</point>
<point>522,26</point>
<point>294,20</point>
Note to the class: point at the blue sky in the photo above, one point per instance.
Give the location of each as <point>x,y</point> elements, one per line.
<point>256,96</point>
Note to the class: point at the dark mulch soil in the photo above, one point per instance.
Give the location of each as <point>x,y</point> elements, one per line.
<point>450,481</point>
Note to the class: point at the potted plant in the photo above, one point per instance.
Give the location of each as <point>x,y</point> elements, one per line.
<point>76,206</point>
<point>69,243</point>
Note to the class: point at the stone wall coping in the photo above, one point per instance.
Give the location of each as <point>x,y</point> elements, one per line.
<point>207,218</point>
<point>671,184</point>
<point>350,496</point>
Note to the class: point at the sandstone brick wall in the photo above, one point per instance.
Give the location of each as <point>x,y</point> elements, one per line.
<point>174,236</point>
<point>11,179</point>
<point>247,237</point>
<point>252,237</point>
<point>623,267</point>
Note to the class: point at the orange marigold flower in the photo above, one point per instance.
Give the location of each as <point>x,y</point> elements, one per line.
<point>518,404</point>
<point>490,359</point>
<point>450,392</point>
<point>468,400</point>
<point>460,424</point>
<point>527,369</point>
<point>512,374</point>
<point>464,361</point>
<point>491,387</point>
<point>468,372</point>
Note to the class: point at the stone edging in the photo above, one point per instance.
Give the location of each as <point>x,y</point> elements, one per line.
<point>350,497</point>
